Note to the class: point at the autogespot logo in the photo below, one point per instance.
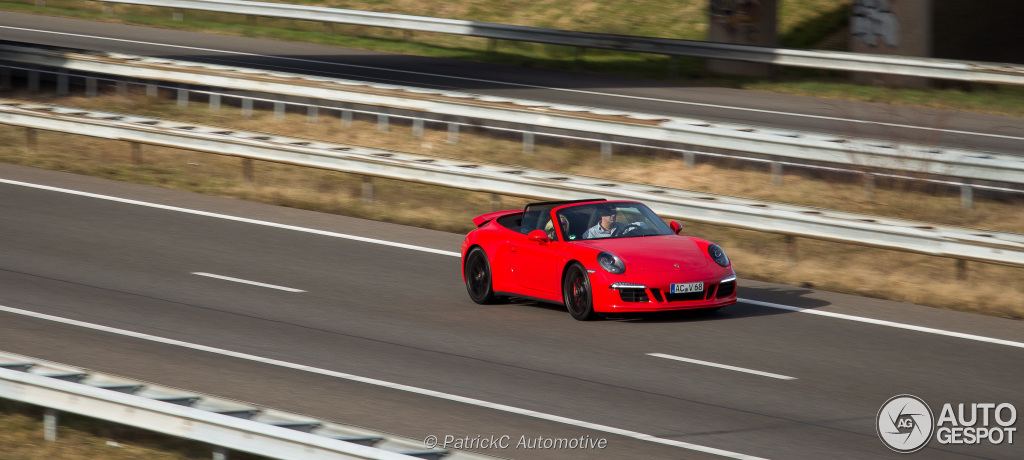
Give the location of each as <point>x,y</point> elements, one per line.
<point>905,423</point>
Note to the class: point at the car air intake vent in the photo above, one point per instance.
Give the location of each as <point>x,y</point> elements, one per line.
<point>684,297</point>
<point>657,294</point>
<point>633,295</point>
<point>709,291</point>
<point>727,289</point>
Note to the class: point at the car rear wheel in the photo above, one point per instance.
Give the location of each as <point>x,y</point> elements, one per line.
<point>478,277</point>
<point>576,293</point>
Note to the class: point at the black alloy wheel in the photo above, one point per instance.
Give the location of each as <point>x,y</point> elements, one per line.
<point>576,293</point>
<point>478,277</point>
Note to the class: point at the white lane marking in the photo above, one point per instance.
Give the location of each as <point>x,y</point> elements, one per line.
<point>234,218</point>
<point>254,283</point>
<point>722,366</point>
<point>456,254</point>
<point>385,384</point>
<point>882,322</point>
<point>523,85</point>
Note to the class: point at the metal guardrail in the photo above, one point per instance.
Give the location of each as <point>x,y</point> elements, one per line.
<point>863,154</point>
<point>225,423</point>
<point>982,72</point>
<point>895,234</point>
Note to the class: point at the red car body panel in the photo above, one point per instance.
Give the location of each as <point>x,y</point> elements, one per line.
<point>522,267</point>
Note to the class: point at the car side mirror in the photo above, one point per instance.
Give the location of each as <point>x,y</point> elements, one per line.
<point>539,236</point>
<point>676,227</point>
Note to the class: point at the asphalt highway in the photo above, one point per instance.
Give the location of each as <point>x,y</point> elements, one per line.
<point>984,133</point>
<point>391,306</point>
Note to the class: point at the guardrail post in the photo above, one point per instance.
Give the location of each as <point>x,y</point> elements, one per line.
<point>50,424</point>
<point>328,28</point>
<point>961,269</point>
<point>247,170</point>
<point>346,118</point>
<point>689,160</point>
<point>136,153</point>
<point>791,250</point>
<point>108,9</point>
<point>91,88</point>
<point>606,151</point>
<point>492,45</point>
<point>312,113</point>
<point>214,101</point>
<point>776,173</point>
<point>966,196</point>
<point>178,15</point>
<point>122,88</point>
<point>453,133</point>
<point>382,123</point>
<point>5,78</point>
<point>495,202</point>
<point>279,110</point>
<point>152,90</point>
<point>869,185</point>
<point>367,190</point>
<point>251,20</point>
<point>673,67</point>
<point>417,128</point>
<point>220,453</point>
<point>62,84</point>
<point>32,139</point>
<point>182,97</point>
<point>527,142</point>
<point>33,81</point>
<point>246,107</point>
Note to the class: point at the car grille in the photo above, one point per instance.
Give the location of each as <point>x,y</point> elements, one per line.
<point>724,290</point>
<point>707,294</point>
<point>727,289</point>
<point>633,295</point>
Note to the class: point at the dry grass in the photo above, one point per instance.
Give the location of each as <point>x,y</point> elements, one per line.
<point>79,438</point>
<point>893,275</point>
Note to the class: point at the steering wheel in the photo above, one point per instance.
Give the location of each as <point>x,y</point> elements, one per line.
<point>629,228</point>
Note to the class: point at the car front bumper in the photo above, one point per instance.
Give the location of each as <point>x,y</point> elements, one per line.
<point>615,294</point>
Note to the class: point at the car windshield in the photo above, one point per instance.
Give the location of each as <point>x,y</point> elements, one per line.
<point>610,220</point>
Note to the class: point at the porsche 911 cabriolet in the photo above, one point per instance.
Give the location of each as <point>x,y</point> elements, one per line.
<point>596,257</point>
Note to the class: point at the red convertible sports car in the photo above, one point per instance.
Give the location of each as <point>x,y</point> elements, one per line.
<point>596,257</point>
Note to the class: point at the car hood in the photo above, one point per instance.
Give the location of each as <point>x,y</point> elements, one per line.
<point>654,253</point>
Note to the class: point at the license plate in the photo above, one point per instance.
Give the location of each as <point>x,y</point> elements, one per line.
<point>683,288</point>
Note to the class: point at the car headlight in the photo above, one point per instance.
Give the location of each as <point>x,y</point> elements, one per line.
<point>718,255</point>
<point>610,263</point>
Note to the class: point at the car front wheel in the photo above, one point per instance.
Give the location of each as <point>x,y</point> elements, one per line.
<point>579,300</point>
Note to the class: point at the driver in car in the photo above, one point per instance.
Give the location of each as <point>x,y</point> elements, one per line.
<point>607,226</point>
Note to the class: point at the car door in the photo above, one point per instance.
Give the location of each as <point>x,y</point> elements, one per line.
<point>535,265</point>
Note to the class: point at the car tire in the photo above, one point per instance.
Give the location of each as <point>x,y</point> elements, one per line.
<point>478,277</point>
<point>576,293</point>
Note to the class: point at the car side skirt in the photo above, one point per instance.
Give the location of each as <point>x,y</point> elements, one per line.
<point>529,297</point>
